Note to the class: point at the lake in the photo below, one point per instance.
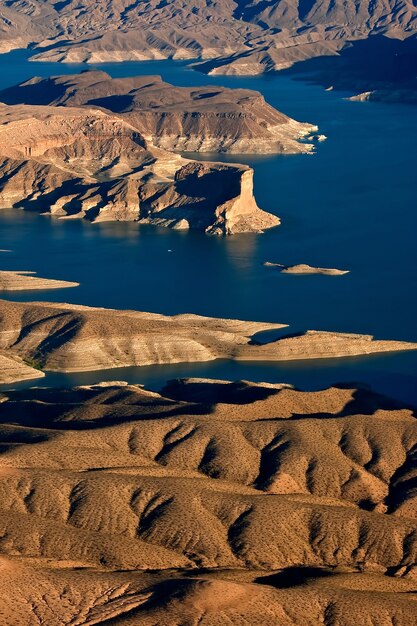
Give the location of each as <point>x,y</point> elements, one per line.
<point>352,205</point>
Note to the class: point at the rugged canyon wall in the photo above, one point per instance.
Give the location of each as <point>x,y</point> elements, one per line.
<point>84,163</point>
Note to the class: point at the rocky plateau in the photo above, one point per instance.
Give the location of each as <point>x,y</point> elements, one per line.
<point>203,119</point>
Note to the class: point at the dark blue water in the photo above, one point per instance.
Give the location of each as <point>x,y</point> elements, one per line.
<point>352,205</point>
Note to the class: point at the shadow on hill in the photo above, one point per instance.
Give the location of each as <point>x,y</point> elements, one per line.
<point>90,408</point>
<point>36,91</point>
<point>211,393</point>
<point>293,577</point>
<point>116,103</point>
<point>366,64</point>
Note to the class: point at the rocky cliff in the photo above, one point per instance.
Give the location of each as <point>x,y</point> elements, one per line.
<point>84,163</point>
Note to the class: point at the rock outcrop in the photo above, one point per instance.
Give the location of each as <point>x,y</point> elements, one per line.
<point>251,505</point>
<point>303,268</point>
<point>197,119</point>
<point>63,337</point>
<point>84,163</point>
<point>25,281</point>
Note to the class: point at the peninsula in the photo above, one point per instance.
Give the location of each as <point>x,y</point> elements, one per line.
<point>69,338</point>
<point>26,281</point>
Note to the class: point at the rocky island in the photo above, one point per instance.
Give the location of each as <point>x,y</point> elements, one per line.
<point>303,269</point>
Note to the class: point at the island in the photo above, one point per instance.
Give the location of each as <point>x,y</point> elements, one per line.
<point>303,268</point>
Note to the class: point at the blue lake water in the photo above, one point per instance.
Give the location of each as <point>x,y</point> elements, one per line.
<point>352,205</point>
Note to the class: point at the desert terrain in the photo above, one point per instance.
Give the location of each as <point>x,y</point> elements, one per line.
<point>210,502</point>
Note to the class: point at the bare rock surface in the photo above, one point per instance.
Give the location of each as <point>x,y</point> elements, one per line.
<point>211,501</point>
<point>25,281</point>
<point>84,163</point>
<point>197,119</point>
<point>64,337</point>
<point>303,268</point>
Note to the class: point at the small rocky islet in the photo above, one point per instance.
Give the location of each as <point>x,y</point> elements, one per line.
<point>304,269</point>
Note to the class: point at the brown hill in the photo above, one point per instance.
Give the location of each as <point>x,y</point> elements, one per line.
<point>266,505</point>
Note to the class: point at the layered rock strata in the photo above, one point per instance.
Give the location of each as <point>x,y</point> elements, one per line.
<point>197,119</point>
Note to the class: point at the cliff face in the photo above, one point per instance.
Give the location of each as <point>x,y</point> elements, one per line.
<point>85,163</point>
<point>206,119</point>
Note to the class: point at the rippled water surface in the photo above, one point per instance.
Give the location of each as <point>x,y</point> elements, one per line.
<point>352,205</point>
